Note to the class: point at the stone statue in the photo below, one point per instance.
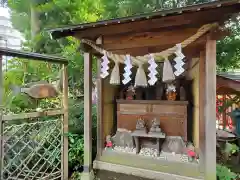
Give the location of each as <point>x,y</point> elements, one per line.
<point>155,126</point>
<point>192,156</point>
<point>140,124</point>
<point>131,92</point>
<point>109,143</point>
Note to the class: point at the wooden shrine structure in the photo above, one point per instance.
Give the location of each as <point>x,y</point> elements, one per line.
<point>227,86</point>
<point>138,36</point>
<point>227,97</point>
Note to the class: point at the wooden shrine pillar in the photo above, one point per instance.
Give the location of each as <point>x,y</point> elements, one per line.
<point>100,140</point>
<point>202,137</point>
<point>65,124</point>
<point>210,110</point>
<point>87,171</point>
<point>207,119</point>
<point>1,118</point>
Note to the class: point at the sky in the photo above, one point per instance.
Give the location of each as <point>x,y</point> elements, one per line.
<point>4,31</point>
<point>4,12</point>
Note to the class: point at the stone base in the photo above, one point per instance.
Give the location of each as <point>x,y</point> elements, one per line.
<point>87,176</point>
<point>143,173</point>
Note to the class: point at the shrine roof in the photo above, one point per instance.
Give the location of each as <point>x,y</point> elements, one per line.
<point>32,56</point>
<point>195,15</point>
<point>227,86</point>
<point>230,75</point>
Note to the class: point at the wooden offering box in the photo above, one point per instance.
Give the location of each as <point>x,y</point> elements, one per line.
<point>172,115</point>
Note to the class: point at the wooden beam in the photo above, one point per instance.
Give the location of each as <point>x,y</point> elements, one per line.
<point>190,51</point>
<point>65,123</point>
<point>197,18</point>
<point>150,34</point>
<point>32,115</point>
<point>149,39</point>
<point>210,111</point>
<point>202,86</point>
<point>219,34</point>
<point>87,112</point>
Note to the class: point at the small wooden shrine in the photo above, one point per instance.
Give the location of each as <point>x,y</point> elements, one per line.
<point>228,90</point>
<point>156,90</point>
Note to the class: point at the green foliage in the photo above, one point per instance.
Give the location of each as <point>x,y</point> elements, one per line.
<point>76,176</point>
<point>234,149</point>
<point>76,130</point>
<point>76,151</point>
<point>76,116</point>
<point>223,173</point>
<point>228,51</point>
<point>21,103</point>
<point>230,148</point>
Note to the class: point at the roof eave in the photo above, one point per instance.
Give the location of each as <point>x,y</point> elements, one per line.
<point>32,56</point>
<point>69,30</point>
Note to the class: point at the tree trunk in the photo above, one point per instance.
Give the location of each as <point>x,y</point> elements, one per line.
<point>35,25</point>
<point>159,4</point>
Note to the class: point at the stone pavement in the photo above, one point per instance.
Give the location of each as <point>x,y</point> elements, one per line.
<point>107,175</point>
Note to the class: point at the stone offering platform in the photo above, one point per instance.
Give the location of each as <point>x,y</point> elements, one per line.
<point>137,135</point>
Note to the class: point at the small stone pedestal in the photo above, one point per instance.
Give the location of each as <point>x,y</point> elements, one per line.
<point>141,134</point>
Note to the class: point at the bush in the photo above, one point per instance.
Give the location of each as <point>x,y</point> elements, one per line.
<point>223,173</point>
<point>76,132</point>
<point>76,117</point>
<point>76,151</point>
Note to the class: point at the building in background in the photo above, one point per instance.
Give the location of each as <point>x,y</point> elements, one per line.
<point>9,37</point>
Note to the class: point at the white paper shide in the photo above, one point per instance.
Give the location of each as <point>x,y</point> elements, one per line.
<point>104,66</point>
<point>179,60</point>
<point>152,70</point>
<point>127,70</point>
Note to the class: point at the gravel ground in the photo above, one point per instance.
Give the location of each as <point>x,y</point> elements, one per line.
<point>106,175</point>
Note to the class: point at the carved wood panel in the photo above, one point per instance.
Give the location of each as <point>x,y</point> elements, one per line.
<point>174,110</point>
<point>137,108</point>
<point>173,118</point>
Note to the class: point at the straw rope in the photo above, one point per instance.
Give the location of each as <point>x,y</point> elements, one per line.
<point>140,78</point>
<point>139,60</point>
